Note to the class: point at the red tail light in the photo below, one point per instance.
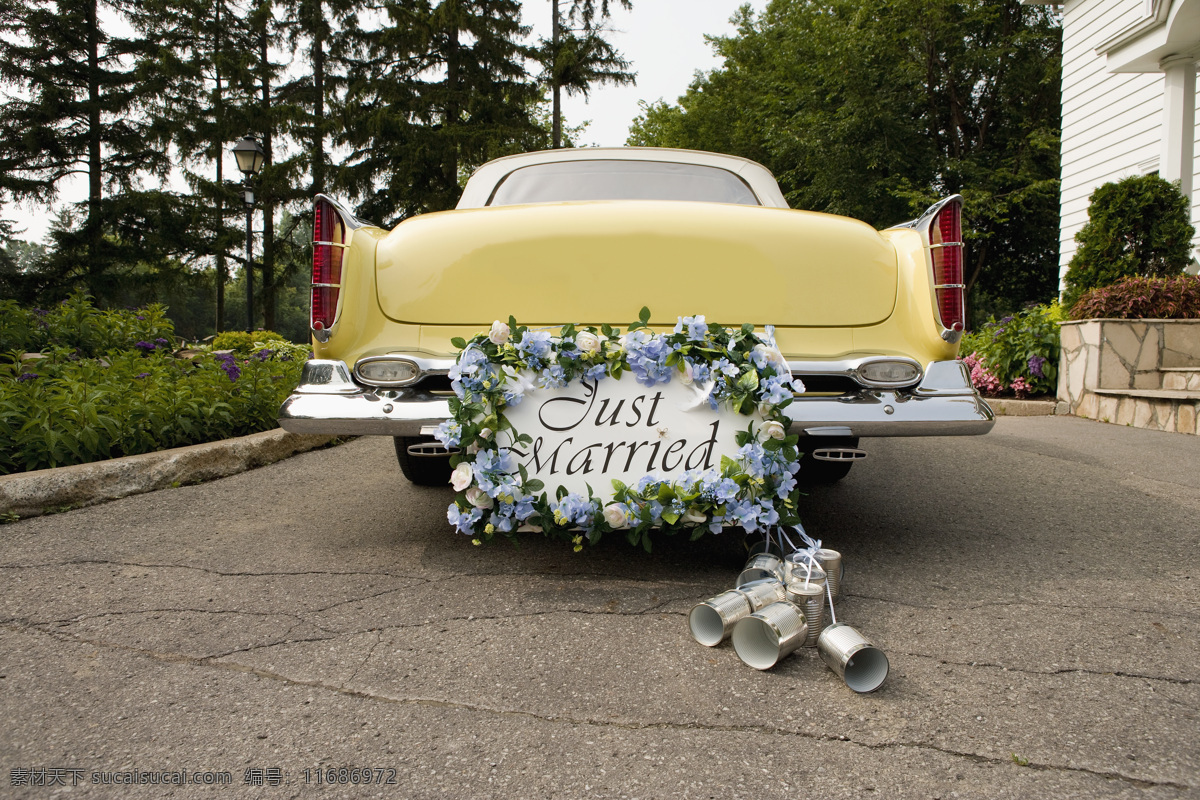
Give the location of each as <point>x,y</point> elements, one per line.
<point>946,247</point>
<point>329,235</point>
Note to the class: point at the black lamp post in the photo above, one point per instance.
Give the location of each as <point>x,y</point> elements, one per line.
<point>250,158</point>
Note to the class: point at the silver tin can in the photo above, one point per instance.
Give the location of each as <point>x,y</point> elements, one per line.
<point>862,665</point>
<point>711,621</point>
<point>798,567</point>
<point>760,567</point>
<point>831,562</point>
<point>762,593</point>
<point>810,597</point>
<point>765,637</point>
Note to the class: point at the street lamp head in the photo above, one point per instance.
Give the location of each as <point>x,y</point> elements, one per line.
<point>249,155</point>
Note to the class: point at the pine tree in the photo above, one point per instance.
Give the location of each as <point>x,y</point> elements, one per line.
<point>438,90</point>
<point>204,56</point>
<point>72,109</point>
<point>577,58</point>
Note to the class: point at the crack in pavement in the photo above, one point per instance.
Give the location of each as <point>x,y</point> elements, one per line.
<point>211,571</point>
<point>233,666</point>
<point>353,573</point>
<point>211,611</point>
<point>1063,671</point>
<point>363,663</point>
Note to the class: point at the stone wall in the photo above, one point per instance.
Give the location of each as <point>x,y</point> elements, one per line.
<point>1144,373</point>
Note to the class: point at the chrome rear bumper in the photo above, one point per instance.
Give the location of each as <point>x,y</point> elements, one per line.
<point>328,401</point>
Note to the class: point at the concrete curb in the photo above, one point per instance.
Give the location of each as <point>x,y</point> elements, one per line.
<point>1008,407</point>
<point>30,494</point>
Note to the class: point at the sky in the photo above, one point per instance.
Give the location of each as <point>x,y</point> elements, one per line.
<point>663,40</point>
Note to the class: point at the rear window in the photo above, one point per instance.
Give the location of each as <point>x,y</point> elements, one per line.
<point>621,180</point>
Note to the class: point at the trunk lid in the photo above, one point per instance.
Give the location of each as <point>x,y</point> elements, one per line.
<point>602,261</point>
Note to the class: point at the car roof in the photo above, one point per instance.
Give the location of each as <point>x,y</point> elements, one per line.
<point>485,179</point>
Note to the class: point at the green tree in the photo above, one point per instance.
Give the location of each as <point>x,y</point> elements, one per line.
<point>575,58</point>
<point>434,92</point>
<point>1138,226</point>
<point>73,109</point>
<point>874,108</point>
<point>204,56</point>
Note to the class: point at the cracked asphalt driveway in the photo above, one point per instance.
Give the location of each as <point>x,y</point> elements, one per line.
<point>1037,591</point>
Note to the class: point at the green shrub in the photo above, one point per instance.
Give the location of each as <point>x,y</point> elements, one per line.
<point>1018,353</point>
<point>79,326</point>
<point>1136,226</point>
<point>242,342</point>
<point>61,409</point>
<point>1142,298</point>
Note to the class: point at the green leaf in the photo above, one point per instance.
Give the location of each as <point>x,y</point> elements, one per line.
<point>534,485</point>
<point>459,342</point>
<point>644,315</point>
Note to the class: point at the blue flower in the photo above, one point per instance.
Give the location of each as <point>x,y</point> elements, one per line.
<point>575,510</point>
<point>552,377</point>
<point>596,372</point>
<point>147,346</point>
<point>775,390</point>
<point>449,433</point>
<point>25,377</point>
<point>697,329</point>
<point>535,344</point>
<point>647,356</point>
<point>1035,366</point>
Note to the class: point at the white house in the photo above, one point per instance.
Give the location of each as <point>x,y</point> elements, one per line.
<point>1129,100</point>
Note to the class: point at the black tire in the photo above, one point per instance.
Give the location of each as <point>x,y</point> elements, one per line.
<point>814,472</point>
<point>430,470</point>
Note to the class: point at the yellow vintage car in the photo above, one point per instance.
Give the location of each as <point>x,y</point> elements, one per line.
<point>868,320</point>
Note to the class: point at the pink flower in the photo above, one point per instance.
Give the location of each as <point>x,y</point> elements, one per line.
<point>981,376</point>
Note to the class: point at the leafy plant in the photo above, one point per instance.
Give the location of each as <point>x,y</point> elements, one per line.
<point>244,343</point>
<point>61,409</point>
<point>1142,298</point>
<point>1017,353</point>
<point>78,325</point>
<point>1138,226</point>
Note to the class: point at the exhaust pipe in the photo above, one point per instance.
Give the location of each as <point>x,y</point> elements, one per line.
<point>840,454</point>
<point>430,450</point>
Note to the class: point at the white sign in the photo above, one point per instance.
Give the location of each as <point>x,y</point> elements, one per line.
<point>592,432</point>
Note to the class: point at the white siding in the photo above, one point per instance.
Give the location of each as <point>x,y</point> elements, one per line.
<point>1112,123</point>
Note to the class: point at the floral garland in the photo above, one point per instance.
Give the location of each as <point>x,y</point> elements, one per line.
<point>755,490</point>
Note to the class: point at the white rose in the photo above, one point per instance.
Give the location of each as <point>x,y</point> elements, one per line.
<point>693,516</point>
<point>771,430</point>
<point>615,517</point>
<point>486,433</point>
<point>462,476</point>
<point>479,498</point>
<point>500,333</point>
<point>587,342</point>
